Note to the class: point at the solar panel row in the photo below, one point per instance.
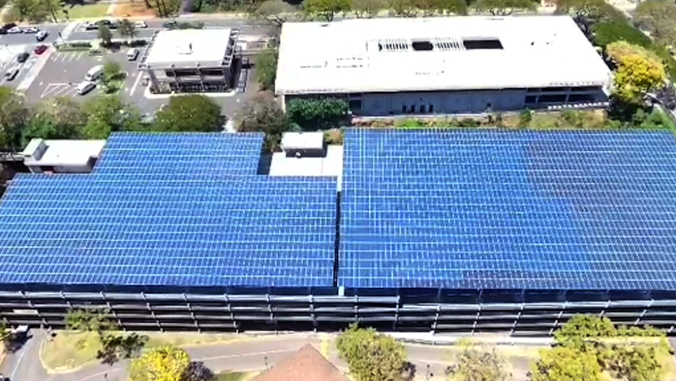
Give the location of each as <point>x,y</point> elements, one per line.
<point>174,210</point>
<point>487,209</point>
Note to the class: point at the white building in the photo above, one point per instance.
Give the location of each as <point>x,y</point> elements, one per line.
<point>442,65</point>
<point>190,60</point>
<point>62,156</point>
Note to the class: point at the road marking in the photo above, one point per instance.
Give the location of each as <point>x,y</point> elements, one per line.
<point>138,79</point>
<point>18,362</point>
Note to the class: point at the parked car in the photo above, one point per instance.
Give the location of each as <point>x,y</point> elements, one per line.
<point>40,49</point>
<point>132,54</point>
<point>15,30</point>
<point>30,29</point>
<point>22,57</point>
<point>91,25</point>
<point>109,23</point>
<point>12,73</point>
<point>85,87</point>
<point>41,35</point>
<point>170,24</point>
<point>141,24</point>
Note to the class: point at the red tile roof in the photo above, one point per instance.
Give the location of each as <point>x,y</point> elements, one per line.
<point>305,365</point>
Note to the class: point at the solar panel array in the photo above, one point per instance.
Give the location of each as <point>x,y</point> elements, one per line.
<point>508,210</point>
<point>173,210</point>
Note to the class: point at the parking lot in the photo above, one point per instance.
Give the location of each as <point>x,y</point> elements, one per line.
<point>61,72</point>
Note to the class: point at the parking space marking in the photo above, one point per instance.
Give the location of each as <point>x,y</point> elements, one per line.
<point>66,56</point>
<point>56,89</point>
<point>133,88</point>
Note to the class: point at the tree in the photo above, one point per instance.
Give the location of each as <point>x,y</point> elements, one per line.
<point>367,8</point>
<point>638,72</point>
<point>53,7</point>
<point>635,363</point>
<point>116,347</point>
<point>373,357</point>
<point>326,9</point>
<point>566,364</point>
<point>403,8</point>
<point>503,7</point>
<point>189,113</point>
<point>106,114</point>
<point>105,35</point>
<point>478,364</point>
<point>659,18</point>
<point>112,76</point>
<point>31,10</point>
<point>274,13</point>
<point>13,118</point>
<point>266,68</point>
<point>165,363</point>
<point>89,320</point>
<point>313,114</point>
<point>451,7</point>
<point>586,13</point>
<point>263,114</point>
<point>127,29</point>
<point>57,118</point>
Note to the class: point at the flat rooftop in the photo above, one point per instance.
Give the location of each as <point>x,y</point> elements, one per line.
<point>188,47</point>
<point>449,53</point>
<point>64,152</point>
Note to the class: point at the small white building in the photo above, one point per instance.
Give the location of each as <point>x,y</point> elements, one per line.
<point>303,144</point>
<point>62,156</point>
<point>190,60</point>
<point>446,65</point>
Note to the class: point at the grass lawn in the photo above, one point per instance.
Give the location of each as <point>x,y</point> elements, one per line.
<point>233,376</point>
<point>87,11</point>
<point>72,350</point>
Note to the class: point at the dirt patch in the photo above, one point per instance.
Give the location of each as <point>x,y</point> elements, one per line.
<point>134,8</point>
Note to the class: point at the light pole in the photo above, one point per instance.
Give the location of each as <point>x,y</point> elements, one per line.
<point>266,362</point>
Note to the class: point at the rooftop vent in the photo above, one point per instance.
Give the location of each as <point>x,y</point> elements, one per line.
<point>184,49</point>
<point>393,45</point>
<point>482,44</point>
<point>422,46</point>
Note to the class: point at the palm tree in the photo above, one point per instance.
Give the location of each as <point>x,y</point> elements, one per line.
<point>52,6</point>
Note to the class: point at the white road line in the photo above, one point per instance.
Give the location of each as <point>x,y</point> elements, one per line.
<point>18,362</point>
<point>133,88</point>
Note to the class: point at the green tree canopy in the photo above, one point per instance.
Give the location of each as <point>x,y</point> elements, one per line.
<point>274,13</point>
<point>89,320</point>
<point>326,9</point>
<point>367,8</point>
<point>373,357</point>
<point>166,363</point>
<point>566,364</point>
<point>106,114</point>
<point>105,34</point>
<point>475,363</point>
<point>127,29</point>
<point>504,7</point>
<point>13,118</point>
<point>314,114</point>
<point>266,68</point>
<point>263,114</point>
<point>189,113</point>
<point>638,72</point>
<point>659,18</point>
<point>56,118</point>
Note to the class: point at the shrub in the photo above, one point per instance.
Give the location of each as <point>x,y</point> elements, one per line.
<point>314,114</point>
<point>333,136</point>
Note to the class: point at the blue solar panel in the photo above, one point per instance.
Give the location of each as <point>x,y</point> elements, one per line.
<point>202,153</point>
<point>508,210</point>
<point>143,226</point>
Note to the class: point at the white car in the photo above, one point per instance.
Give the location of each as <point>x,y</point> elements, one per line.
<point>30,29</point>
<point>141,24</point>
<point>15,30</point>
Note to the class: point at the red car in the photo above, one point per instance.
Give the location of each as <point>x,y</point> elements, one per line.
<point>40,49</point>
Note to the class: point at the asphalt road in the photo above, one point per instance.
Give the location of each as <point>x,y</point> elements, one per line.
<point>29,38</point>
<point>245,354</point>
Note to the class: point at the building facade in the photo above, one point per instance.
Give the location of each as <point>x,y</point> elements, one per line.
<point>443,66</point>
<point>191,60</point>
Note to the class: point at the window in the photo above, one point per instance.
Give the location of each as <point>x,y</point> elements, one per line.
<point>403,109</point>
<point>585,88</point>
<point>412,109</point>
<point>355,104</point>
<point>530,99</point>
<point>554,89</point>
<point>489,106</point>
<point>431,108</point>
<point>212,71</point>
<point>574,98</point>
<point>552,98</point>
<point>419,46</point>
<point>422,109</point>
<point>533,90</point>
<point>481,43</point>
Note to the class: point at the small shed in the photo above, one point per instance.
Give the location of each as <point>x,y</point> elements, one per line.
<point>303,144</point>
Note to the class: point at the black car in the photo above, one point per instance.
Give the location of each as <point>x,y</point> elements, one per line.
<point>170,25</point>
<point>4,30</point>
<point>22,57</point>
<point>108,23</point>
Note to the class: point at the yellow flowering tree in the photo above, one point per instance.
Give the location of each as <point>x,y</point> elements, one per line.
<point>638,71</point>
<point>166,363</point>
